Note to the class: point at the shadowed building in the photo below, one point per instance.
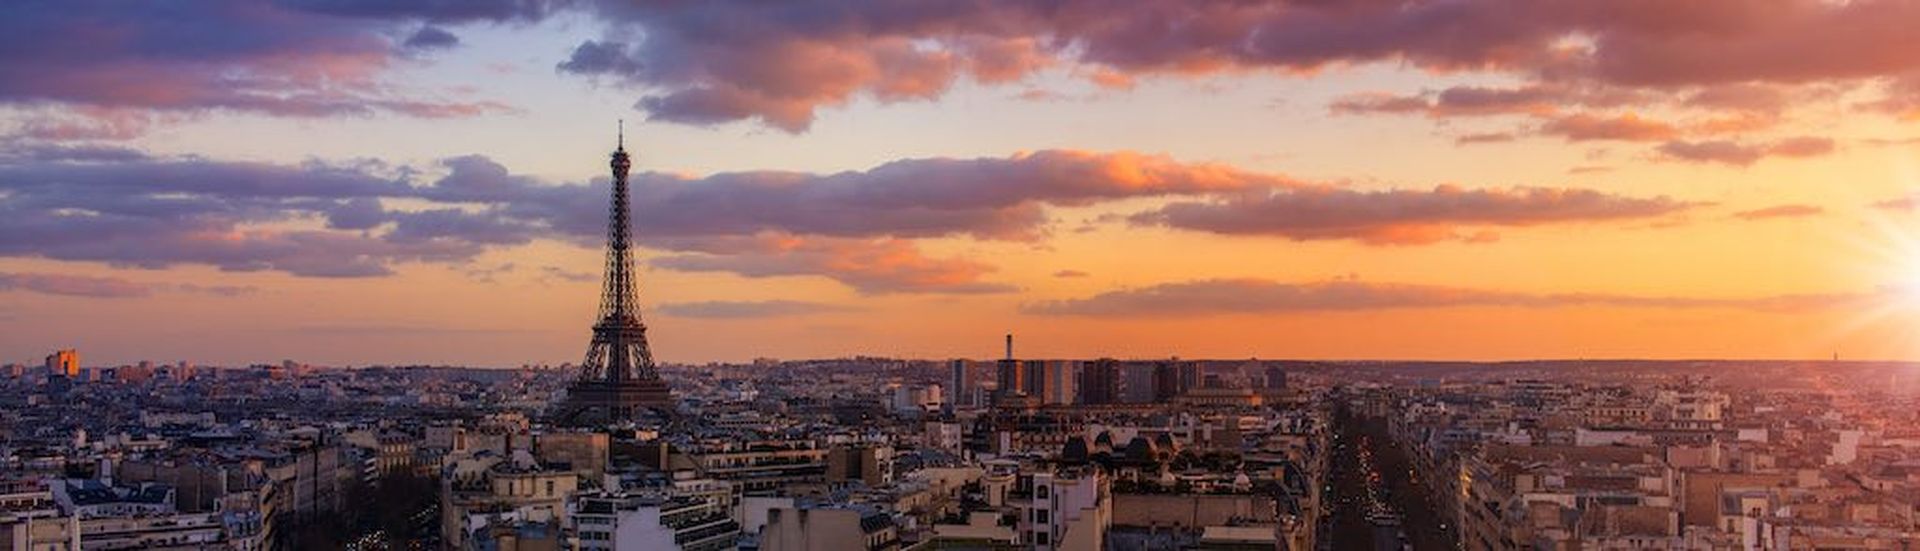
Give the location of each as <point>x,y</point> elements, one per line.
<point>1100,382</point>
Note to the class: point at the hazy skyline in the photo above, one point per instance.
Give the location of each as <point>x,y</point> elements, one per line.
<point>351,182</point>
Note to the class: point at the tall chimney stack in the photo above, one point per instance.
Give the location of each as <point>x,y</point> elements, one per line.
<point>1009,346</point>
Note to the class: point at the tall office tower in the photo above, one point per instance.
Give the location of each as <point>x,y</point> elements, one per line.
<point>1035,381</point>
<point>1010,378</point>
<point>1276,377</point>
<point>1100,382</point>
<point>1190,377</point>
<point>619,380</point>
<point>64,362</point>
<point>1166,381</point>
<point>1062,381</point>
<point>957,380</point>
<point>1136,382</point>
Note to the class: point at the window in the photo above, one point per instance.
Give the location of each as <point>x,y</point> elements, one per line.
<point>1040,491</point>
<point>1040,516</point>
<point>1040,537</point>
<point>549,488</point>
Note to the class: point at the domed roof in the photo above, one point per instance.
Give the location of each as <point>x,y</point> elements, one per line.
<point>1076,450</point>
<point>1143,450</point>
<point>1165,441</point>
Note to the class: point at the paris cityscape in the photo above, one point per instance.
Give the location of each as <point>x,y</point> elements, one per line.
<point>1075,275</point>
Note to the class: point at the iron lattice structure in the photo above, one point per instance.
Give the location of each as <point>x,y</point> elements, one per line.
<point>619,350</point>
<point>618,380</point>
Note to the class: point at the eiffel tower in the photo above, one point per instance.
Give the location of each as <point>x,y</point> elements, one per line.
<point>618,381</point>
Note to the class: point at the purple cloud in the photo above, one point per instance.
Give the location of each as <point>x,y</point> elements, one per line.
<point>311,58</point>
<point>856,227</point>
<point>157,212</point>
<point>432,38</point>
<point>717,61</point>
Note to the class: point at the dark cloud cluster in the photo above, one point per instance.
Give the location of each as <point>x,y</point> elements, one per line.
<point>156,213</point>
<point>780,62</point>
<point>432,38</point>
<point>292,58</point>
<point>1257,296</point>
<point>717,61</point>
<point>437,11</point>
<point>334,220</point>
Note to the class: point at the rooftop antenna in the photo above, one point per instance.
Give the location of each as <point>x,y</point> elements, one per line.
<point>622,145</point>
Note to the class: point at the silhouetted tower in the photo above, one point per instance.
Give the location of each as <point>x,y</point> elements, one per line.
<point>1010,378</point>
<point>618,379</point>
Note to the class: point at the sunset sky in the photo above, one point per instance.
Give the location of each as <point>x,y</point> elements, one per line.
<point>365,181</point>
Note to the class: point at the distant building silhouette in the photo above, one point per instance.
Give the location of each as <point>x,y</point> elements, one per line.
<point>65,363</point>
<point>1276,377</point>
<point>1100,382</point>
<point>1009,376</point>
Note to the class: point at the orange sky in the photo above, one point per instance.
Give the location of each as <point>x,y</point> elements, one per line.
<point>1559,180</point>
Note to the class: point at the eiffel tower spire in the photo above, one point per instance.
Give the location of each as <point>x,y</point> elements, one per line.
<point>618,378</point>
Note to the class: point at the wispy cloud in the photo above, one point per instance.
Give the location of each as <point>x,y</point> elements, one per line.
<point>1742,154</point>
<point>721,309</point>
<point>870,266</point>
<point>106,287</point>
<point>1255,296</point>
<point>1403,217</point>
<point>1780,211</point>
